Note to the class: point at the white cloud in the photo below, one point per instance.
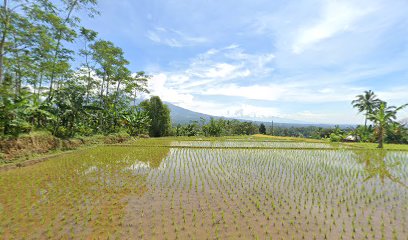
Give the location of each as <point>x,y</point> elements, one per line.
<point>219,65</point>
<point>329,117</point>
<point>399,94</point>
<point>173,38</point>
<point>225,73</point>
<point>286,92</point>
<point>336,17</point>
<point>250,111</point>
<point>158,87</point>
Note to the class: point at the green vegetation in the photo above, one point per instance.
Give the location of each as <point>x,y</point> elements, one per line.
<point>383,117</point>
<point>366,103</point>
<point>216,128</point>
<point>159,115</point>
<point>40,89</point>
<point>262,129</point>
<point>208,188</point>
<point>214,179</point>
<point>76,195</point>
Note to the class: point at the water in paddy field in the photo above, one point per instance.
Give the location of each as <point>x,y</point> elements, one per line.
<point>223,190</point>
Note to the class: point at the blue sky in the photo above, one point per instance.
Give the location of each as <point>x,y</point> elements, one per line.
<point>303,60</point>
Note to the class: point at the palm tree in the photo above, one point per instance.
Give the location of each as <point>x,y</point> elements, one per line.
<point>382,117</point>
<point>366,102</point>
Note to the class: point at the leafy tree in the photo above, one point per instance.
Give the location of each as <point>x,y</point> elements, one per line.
<point>383,117</point>
<point>40,89</point>
<point>12,117</point>
<point>5,28</point>
<point>262,129</point>
<point>69,108</point>
<point>116,82</point>
<point>87,69</point>
<point>189,130</point>
<point>137,122</point>
<point>213,128</point>
<point>366,102</point>
<point>159,115</point>
<point>396,133</point>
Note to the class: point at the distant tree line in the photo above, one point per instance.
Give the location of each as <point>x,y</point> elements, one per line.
<point>40,89</point>
<point>216,127</point>
<point>380,126</point>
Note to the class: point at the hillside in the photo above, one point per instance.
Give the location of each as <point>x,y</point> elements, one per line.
<point>181,115</point>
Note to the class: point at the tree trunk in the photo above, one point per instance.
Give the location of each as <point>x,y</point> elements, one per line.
<point>39,88</point>
<point>57,50</point>
<point>380,136</point>
<point>3,39</point>
<point>365,121</point>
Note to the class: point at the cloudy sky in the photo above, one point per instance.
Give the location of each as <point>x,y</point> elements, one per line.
<point>302,60</point>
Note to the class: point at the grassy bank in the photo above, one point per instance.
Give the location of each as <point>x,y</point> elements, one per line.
<point>14,150</point>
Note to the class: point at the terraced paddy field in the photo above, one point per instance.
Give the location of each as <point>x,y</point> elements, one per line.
<point>230,189</point>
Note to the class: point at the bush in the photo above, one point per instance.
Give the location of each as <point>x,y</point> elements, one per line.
<point>335,137</point>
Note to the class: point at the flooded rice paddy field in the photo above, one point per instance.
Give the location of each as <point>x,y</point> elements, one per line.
<point>253,144</point>
<point>136,192</point>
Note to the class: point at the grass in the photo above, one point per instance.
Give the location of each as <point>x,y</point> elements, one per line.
<point>85,191</point>
<point>15,150</point>
<point>279,138</point>
<point>372,146</point>
<point>241,187</point>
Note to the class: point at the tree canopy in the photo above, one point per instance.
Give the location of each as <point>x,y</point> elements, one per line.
<point>41,89</point>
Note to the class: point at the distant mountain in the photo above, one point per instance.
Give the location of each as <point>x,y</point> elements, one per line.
<point>181,115</point>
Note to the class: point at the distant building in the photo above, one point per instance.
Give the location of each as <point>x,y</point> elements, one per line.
<point>351,138</point>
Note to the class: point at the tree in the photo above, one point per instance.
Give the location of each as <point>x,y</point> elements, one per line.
<point>383,117</point>
<point>87,69</point>
<point>5,19</point>
<point>262,129</point>
<point>12,117</point>
<point>213,128</point>
<point>137,122</point>
<point>366,102</point>
<point>116,82</point>
<point>159,114</point>
<point>40,89</point>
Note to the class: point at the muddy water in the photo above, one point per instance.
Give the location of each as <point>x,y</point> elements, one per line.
<point>252,144</point>
<point>192,193</point>
<point>283,194</point>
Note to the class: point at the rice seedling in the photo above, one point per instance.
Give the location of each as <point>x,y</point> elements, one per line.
<point>202,189</point>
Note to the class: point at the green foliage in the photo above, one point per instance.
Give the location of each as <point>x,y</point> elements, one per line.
<point>39,89</point>
<point>262,129</point>
<point>335,137</point>
<point>189,130</point>
<point>216,128</point>
<point>367,103</point>
<point>213,128</point>
<point>159,114</point>
<point>137,122</point>
<point>12,115</point>
<point>384,119</point>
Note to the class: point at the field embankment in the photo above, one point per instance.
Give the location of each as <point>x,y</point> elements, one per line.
<point>18,149</point>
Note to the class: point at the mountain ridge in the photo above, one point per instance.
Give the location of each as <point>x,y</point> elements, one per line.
<point>180,115</point>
